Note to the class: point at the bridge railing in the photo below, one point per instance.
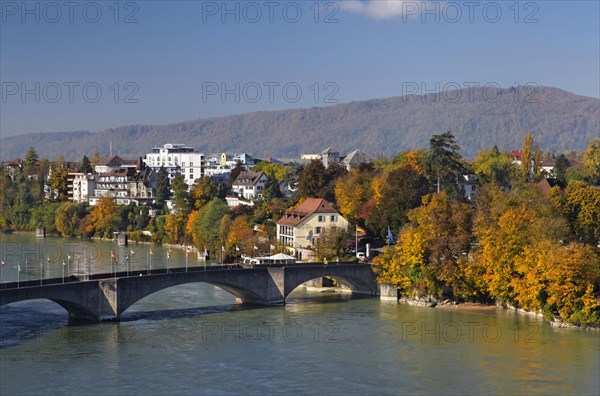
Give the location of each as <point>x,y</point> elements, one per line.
<point>73,278</point>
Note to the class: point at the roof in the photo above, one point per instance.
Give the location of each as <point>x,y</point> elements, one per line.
<point>547,183</point>
<point>248,178</point>
<point>357,157</point>
<point>297,215</point>
<point>129,172</point>
<point>115,160</point>
<point>329,150</point>
<point>14,161</point>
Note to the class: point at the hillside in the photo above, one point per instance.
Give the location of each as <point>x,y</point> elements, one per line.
<point>560,120</point>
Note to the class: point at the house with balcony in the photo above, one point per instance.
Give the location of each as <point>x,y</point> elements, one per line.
<point>300,228</point>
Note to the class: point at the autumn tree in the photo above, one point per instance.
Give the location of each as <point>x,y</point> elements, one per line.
<point>580,204</point>
<point>446,226</point>
<point>493,166</point>
<point>394,193</point>
<point>268,168</point>
<point>526,157</point>
<point>591,160</point>
<point>204,190</point>
<point>352,191</point>
<point>175,227</point>
<point>58,182</point>
<point>240,234</point>
<point>103,217</point>
<point>537,163</point>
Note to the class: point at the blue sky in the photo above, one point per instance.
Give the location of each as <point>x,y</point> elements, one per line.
<point>174,59</point>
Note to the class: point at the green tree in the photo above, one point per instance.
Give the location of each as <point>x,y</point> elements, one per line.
<point>86,165</point>
<point>163,192</point>
<point>272,190</point>
<point>205,229</point>
<point>561,165</point>
<point>67,219</point>
<point>181,196</point>
<point>311,181</point>
<point>31,162</point>
<point>443,158</point>
<point>332,243</point>
<point>235,172</point>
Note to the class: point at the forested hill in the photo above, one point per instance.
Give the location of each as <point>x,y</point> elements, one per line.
<point>560,120</point>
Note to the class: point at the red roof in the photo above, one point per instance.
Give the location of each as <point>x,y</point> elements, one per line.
<point>310,206</point>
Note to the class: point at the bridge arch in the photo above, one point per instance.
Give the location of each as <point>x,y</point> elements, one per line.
<point>359,279</point>
<point>76,309</point>
<point>253,288</point>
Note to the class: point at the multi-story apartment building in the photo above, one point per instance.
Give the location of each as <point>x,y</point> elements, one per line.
<point>177,158</point>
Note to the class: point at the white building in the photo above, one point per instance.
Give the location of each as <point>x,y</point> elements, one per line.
<point>81,186</point>
<point>177,158</point>
<point>468,185</point>
<point>250,185</point>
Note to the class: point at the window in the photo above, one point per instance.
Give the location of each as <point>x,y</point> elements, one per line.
<point>191,176</point>
<point>321,219</point>
<point>333,218</point>
<point>318,230</point>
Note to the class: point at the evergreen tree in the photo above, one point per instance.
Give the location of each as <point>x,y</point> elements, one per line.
<point>181,195</point>
<point>31,160</point>
<point>443,158</point>
<point>561,165</point>
<point>86,165</point>
<point>162,187</point>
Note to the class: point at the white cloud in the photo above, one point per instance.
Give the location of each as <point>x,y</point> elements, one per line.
<point>382,9</point>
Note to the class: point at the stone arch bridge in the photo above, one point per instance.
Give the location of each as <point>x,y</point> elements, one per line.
<point>107,296</point>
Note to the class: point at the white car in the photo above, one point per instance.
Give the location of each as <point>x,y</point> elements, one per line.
<point>360,256</point>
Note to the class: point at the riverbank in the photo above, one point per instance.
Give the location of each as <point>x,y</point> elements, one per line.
<point>448,304</point>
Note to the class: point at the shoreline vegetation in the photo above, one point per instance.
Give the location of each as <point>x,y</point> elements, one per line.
<point>521,227</point>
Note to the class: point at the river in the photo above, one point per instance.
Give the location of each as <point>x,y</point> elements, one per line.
<point>193,339</point>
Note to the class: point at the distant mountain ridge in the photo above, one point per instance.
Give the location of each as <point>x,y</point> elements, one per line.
<point>559,120</point>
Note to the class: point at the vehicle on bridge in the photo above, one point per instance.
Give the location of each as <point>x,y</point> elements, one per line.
<point>278,258</point>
